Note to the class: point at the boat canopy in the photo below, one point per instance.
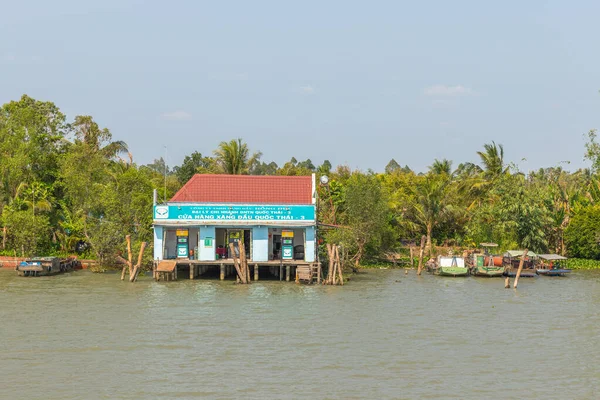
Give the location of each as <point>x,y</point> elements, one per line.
<point>519,253</point>
<point>552,257</point>
<point>449,262</point>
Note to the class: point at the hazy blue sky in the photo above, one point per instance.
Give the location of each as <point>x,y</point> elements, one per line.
<point>355,82</point>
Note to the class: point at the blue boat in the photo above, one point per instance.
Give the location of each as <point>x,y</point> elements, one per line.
<point>552,265</point>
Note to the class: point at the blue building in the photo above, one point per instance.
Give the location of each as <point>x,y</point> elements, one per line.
<point>274,216</point>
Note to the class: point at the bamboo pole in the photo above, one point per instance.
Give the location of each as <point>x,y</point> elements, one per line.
<point>421,252</point>
<point>520,268</point>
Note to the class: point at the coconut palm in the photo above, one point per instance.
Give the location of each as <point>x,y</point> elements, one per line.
<point>492,159</point>
<point>234,157</point>
<point>98,140</point>
<point>441,167</point>
<point>433,203</point>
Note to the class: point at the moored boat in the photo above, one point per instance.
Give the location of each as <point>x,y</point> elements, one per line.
<point>489,266</point>
<point>450,266</point>
<point>552,265</point>
<point>44,266</point>
<point>512,259</point>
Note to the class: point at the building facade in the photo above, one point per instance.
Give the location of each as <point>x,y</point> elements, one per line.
<point>274,216</point>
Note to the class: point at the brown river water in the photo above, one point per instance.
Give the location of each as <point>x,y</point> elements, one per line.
<point>382,336</point>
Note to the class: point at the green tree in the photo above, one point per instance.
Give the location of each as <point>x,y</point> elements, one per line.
<point>364,216</point>
<point>583,233</point>
<point>195,163</point>
<point>97,140</point>
<point>234,157</point>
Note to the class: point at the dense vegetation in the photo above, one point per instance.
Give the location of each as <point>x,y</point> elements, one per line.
<point>67,186</point>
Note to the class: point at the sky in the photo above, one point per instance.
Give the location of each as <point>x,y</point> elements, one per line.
<point>357,83</point>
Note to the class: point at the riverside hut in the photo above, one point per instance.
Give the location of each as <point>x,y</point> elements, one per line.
<point>273,216</point>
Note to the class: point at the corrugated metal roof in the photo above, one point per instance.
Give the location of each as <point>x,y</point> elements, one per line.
<point>519,253</point>
<point>552,257</point>
<point>248,189</point>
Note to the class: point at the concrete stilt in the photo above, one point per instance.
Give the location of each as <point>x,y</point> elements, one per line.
<point>192,270</point>
<point>222,272</point>
<point>287,272</point>
<point>255,272</point>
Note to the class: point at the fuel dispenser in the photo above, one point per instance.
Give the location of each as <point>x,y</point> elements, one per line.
<point>182,243</point>
<point>234,237</point>
<point>287,245</point>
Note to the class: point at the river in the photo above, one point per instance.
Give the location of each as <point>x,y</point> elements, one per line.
<point>384,335</point>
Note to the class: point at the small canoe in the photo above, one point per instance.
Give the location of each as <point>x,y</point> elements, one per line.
<point>553,271</point>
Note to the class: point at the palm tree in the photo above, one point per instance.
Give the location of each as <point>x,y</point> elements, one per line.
<point>98,140</point>
<point>441,167</point>
<point>493,160</point>
<point>234,157</point>
<point>432,203</point>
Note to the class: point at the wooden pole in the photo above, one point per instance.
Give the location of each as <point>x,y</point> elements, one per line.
<point>337,256</point>
<point>255,272</point>
<point>520,268</point>
<point>331,269</point>
<point>236,262</point>
<point>138,266</point>
<point>412,260</point>
<point>129,253</point>
<point>421,252</point>
<point>507,283</point>
<point>4,238</point>
<point>222,273</point>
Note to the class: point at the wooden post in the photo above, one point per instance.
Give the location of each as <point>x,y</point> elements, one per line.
<point>507,283</point>
<point>129,254</point>
<point>237,264</point>
<point>412,260</point>
<point>154,273</point>
<point>318,272</point>
<point>287,273</point>
<point>138,266</point>
<point>4,238</point>
<point>222,276</point>
<point>421,251</point>
<point>337,256</point>
<point>256,272</point>
<point>520,268</point>
<point>192,268</point>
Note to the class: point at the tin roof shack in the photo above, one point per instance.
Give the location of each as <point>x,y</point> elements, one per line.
<point>274,216</point>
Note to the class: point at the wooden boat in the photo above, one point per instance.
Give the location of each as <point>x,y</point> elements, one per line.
<point>44,266</point>
<point>487,265</point>
<point>512,259</point>
<point>449,266</point>
<point>552,265</point>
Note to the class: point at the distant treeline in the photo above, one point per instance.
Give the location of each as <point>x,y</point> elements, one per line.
<point>66,186</point>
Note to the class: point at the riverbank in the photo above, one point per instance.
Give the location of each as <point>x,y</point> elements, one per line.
<point>402,263</point>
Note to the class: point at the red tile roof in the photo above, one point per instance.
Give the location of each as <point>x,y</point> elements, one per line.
<point>250,189</point>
